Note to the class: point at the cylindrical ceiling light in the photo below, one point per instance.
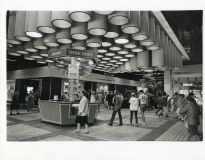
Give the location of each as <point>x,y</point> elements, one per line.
<point>123,51</point>
<point>20,26</point>
<point>94,41</point>
<point>79,31</point>
<point>143,60</point>
<point>44,53</point>
<point>10,45</point>
<point>134,24</point>
<point>63,36</point>
<point>122,39</point>
<point>106,58</point>
<point>20,49</point>
<point>31,24</point>
<point>150,41</point>
<point>29,47</point>
<point>81,16</point>
<point>158,58</point>
<point>61,19</point>
<point>130,45</point>
<point>109,64</point>
<point>110,54</point>
<point>137,49</point>
<point>65,46</point>
<point>41,61</point>
<point>102,50</point>
<point>106,42</point>
<point>13,52</point>
<point>80,45</point>
<point>44,22</point>
<point>144,27</point>
<point>156,38</point>
<point>112,31</point>
<point>97,25</point>
<point>113,61</point>
<point>115,47</point>
<point>36,56</point>
<point>119,63</point>
<point>38,44</point>
<point>130,55</point>
<point>11,29</point>
<point>123,60</point>
<point>49,60</point>
<point>28,57</point>
<point>100,56</point>
<point>119,17</point>
<point>104,12</point>
<point>117,57</point>
<point>50,40</point>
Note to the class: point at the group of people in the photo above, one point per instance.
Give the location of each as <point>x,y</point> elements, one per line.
<point>31,101</point>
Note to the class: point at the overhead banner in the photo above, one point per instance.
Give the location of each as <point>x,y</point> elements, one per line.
<point>72,53</point>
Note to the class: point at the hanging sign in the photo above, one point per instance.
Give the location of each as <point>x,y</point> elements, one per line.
<point>56,53</point>
<point>73,71</point>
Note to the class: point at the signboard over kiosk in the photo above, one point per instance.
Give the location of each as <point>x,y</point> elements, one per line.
<point>56,53</point>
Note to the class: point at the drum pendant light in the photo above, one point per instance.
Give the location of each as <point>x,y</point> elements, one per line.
<point>122,39</point>
<point>97,25</point>
<point>13,52</point>
<point>31,25</point>
<point>11,29</point>
<point>143,60</point>
<point>123,51</point>
<point>20,49</point>
<point>44,22</point>
<point>130,45</point>
<point>94,41</point>
<point>119,17</point>
<point>102,50</point>
<point>28,57</point>
<point>29,47</point>
<point>80,45</point>
<point>144,27</point>
<point>151,33</point>
<point>112,31</point>
<point>115,47</point>
<point>36,56</point>
<point>65,46</point>
<point>137,49</point>
<point>156,39</point>
<point>38,44</point>
<point>106,42</point>
<point>134,24</point>
<point>130,55</point>
<point>61,19</point>
<point>158,58</point>
<point>110,54</point>
<point>79,31</point>
<point>81,16</point>
<point>63,36</point>
<point>44,53</point>
<point>104,12</point>
<point>50,40</point>
<point>20,26</point>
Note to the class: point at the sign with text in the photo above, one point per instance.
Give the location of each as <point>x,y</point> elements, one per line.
<point>73,71</point>
<point>56,53</point>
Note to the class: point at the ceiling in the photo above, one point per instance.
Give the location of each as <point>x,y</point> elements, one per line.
<point>184,24</point>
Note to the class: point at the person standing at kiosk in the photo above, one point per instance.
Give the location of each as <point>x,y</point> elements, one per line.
<point>82,116</point>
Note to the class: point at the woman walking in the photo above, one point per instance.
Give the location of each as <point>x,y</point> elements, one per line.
<point>15,103</point>
<point>82,117</point>
<point>134,105</point>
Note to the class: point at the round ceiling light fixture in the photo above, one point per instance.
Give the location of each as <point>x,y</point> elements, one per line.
<point>29,47</point>
<point>130,45</point>
<point>113,61</point>
<point>44,53</point>
<point>134,23</point>
<point>50,40</point>
<point>41,61</point>
<point>137,49</point>
<point>38,44</point>
<point>106,42</point>
<point>94,41</point>
<point>103,62</point>
<point>124,60</point>
<point>117,57</point>
<point>81,16</point>
<point>104,12</point>
<point>112,31</point>
<point>119,17</point>
<point>49,60</point>
<point>106,58</point>
<point>122,39</point>
<point>80,45</point>
<point>130,55</point>
<point>99,56</point>
<point>31,25</point>
<point>20,26</point>
<point>119,63</point>
<point>115,47</point>
<point>36,56</point>
<point>61,19</point>
<point>97,26</point>
<point>12,52</point>
<point>123,51</point>
<point>20,49</point>
<point>63,36</point>
<point>79,31</point>
<point>109,54</point>
<point>28,57</point>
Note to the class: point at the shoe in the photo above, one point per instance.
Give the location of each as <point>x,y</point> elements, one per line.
<point>144,124</point>
<point>110,124</point>
<point>86,132</point>
<point>120,124</point>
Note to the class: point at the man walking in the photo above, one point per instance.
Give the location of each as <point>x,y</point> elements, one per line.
<point>143,104</point>
<point>117,108</point>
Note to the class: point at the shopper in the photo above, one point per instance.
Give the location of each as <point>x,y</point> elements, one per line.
<point>92,97</point>
<point>180,105</point>
<point>14,103</point>
<point>143,103</point>
<point>109,99</point>
<point>82,116</point>
<point>134,105</point>
<point>100,100</point>
<point>117,101</point>
<point>175,99</point>
<point>159,109</point>
<point>165,105</point>
<point>30,104</point>
<point>192,112</point>
<point>36,99</point>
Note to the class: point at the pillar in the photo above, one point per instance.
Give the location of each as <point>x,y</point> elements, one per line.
<point>168,82</point>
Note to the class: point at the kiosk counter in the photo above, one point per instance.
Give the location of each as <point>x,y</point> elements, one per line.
<point>64,113</point>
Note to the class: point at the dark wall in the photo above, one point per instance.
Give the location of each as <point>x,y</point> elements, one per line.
<point>55,87</point>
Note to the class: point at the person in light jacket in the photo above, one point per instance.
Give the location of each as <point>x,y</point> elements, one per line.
<point>134,105</point>
<point>82,116</point>
<point>192,112</point>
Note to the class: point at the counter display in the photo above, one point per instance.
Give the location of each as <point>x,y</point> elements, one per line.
<point>64,113</point>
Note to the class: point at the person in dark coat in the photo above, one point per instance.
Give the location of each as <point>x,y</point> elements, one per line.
<point>15,102</point>
<point>109,99</point>
<point>192,112</point>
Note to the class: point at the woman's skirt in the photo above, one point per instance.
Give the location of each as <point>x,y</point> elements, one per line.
<point>82,120</point>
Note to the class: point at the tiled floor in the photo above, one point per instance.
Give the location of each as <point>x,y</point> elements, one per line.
<point>29,127</point>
